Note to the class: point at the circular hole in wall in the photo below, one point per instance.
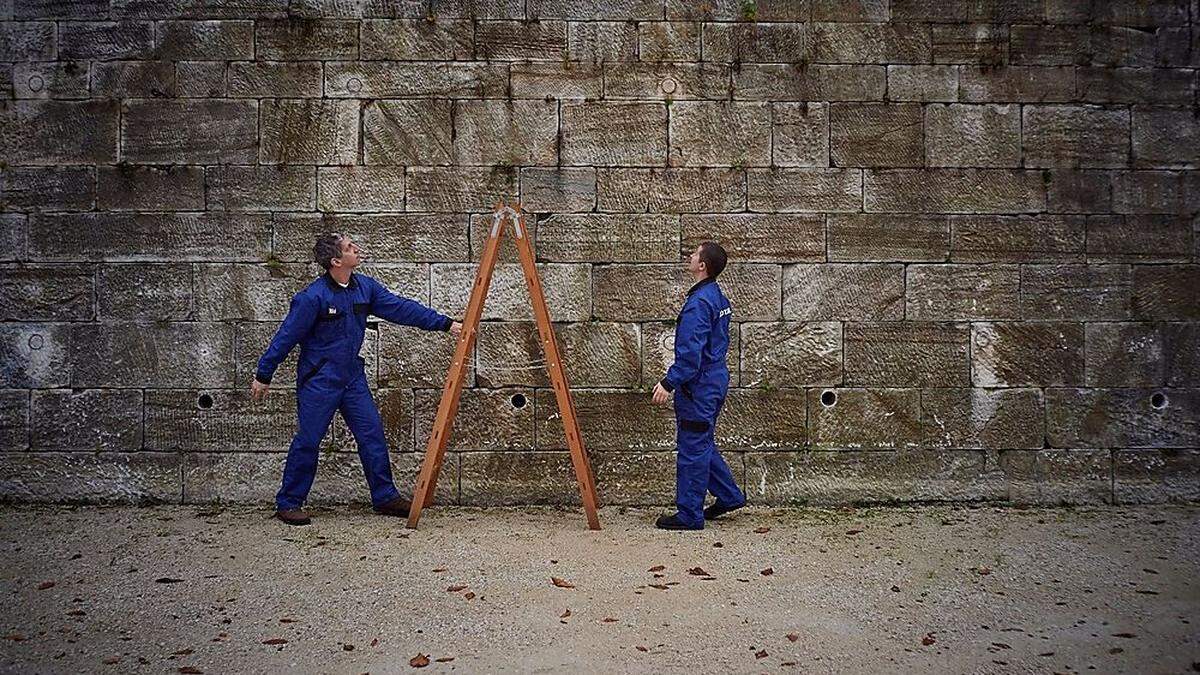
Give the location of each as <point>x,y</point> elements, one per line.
<point>205,401</point>
<point>517,400</point>
<point>828,398</point>
<point>1158,400</point>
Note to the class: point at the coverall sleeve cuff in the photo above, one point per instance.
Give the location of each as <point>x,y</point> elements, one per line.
<point>667,385</point>
<point>263,377</point>
<point>446,323</point>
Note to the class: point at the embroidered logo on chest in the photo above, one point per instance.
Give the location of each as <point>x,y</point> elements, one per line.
<point>728,311</point>
<point>332,310</point>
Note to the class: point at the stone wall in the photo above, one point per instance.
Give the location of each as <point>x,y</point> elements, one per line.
<point>964,238</point>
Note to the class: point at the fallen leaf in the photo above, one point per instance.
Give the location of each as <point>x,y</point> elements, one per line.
<point>718,544</point>
<point>792,637</point>
<point>15,637</point>
<point>767,572</point>
<point>183,652</point>
<point>375,642</point>
<point>167,580</point>
<point>640,648</point>
<point>760,654</point>
<point>761,530</point>
<point>928,639</point>
<point>561,583</point>
<point>112,660</point>
<point>1115,650</point>
<point>287,620</point>
<point>565,614</point>
<point>895,589</point>
<point>661,587</point>
<point>439,569</point>
<point>45,584</point>
<point>419,661</point>
<point>347,647</point>
<point>608,619</point>
<point>1046,654</point>
<point>190,670</point>
<point>77,556</point>
<point>275,641</point>
<point>698,572</point>
<point>853,532</point>
<point>657,568</point>
<point>76,612</point>
<point>469,595</point>
<point>788,663</point>
<point>445,659</point>
<point>1124,635</point>
<point>985,570</point>
<point>456,588</point>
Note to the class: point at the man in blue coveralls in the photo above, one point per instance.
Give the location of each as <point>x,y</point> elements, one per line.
<point>700,379</point>
<point>328,320</point>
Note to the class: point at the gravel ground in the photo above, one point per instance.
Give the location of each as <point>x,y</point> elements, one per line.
<point>917,589</point>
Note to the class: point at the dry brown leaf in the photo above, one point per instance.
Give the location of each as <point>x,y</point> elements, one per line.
<point>445,659</point>
<point>275,641</point>
<point>853,532</point>
<point>287,620</point>
<point>792,637</point>
<point>347,647</point>
<point>565,614</point>
<point>761,530</point>
<point>190,670</point>
<point>760,654</point>
<point>183,652</point>
<point>456,588</point>
<point>698,572</point>
<point>767,572</point>
<point>657,568</point>
<point>561,583</point>
<point>45,584</point>
<point>985,570</point>
<point>469,595</point>
<point>640,648</point>
<point>419,661</point>
<point>439,569</point>
<point>928,639</point>
<point>375,642</point>
<point>608,619</point>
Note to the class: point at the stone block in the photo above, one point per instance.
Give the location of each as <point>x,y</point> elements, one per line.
<point>657,292</point>
<point>671,190</point>
<point>59,132</point>
<point>204,40</point>
<point>1076,292</point>
<point>1143,14</point>
<point>48,188</point>
<point>826,292</point>
<point>60,80</point>
<point>1166,292</point>
<point>407,132</point>
<point>125,237</point>
<point>1142,354</point>
<point>876,134</point>
<point>600,41</point>
<point>505,133</point>
<point>749,237</point>
<point>864,419</point>
<point>1156,476</point>
<point>303,39</point>
<point>34,355</point>
<point>1017,239</point>
<point>457,9</point>
<point>1014,11</point>
<point>595,354</point>
<point>190,132</point>
<point>14,420</point>
<point>28,41</point>
<point>1140,86</point>
<point>800,134</point>
<point>754,42</point>
<point>922,83</point>
<point>962,292</point>
<point>708,133</point>
<point>875,42</point>
<point>521,40</point>
<point>1024,354</point>
<point>1050,45</point>
<point>411,357</point>
<point>605,238</point>
<point>849,10</point>
<point>513,478</point>
<point>973,135</point>
<point>674,41</point>
<point>903,354</point>
<point>1166,138</point>
<point>804,190</point>
<point>886,238</point>
<point>201,79</point>
<point>144,292</point>
<point>135,79</point>
<point>417,40</point>
<point>754,420</point>
<point>614,134</point>
<point>90,477</point>
<point>563,80</point>
<point>105,40</point>
<point>151,355</point>
<point>227,292</point>
<point>1058,477</point>
<point>60,9</point>
<point>558,190</point>
<point>954,191</point>
<point>47,293</point>
<point>92,420</point>
<point>13,229</point>
<point>658,352</point>
<point>1122,418</point>
<point>791,354</point>
<point>1139,238</point>
<point>261,188</point>
<point>415,237</point>
<point>457,189</point>
<point>723,10</point>
<point>1016,84</point>
<point>567,288</point>
<point>819,82</point>
<point>309,131</point>
<point>1074,136</point>
<point>969,43</point>
<point>275,79</point>
<point>487,419</point>
<point>360,188</point>
<point>1155,192</point>
<point>129,187</point>
<point>399,79</point>
<point>998,419</point>
<point>608,420</point>
<point>1071,191</point>
<point>666,81</point>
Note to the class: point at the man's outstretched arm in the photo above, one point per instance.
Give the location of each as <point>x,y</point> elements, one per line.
<point>391,307</point>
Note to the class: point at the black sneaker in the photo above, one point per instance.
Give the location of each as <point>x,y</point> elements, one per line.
<point>717,510</point>
<point>673,522</point>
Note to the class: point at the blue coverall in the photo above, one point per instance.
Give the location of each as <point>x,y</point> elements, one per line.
<point>329,322</point>
<point>700,379</point>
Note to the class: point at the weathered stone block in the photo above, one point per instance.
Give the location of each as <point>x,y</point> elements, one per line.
<point>557,80</point>
<point>505,133</point>
<point>567,288</point>
<point>658,352</point>
<point>151,355</point>
<point>922,83</point>
<point>47,293</point>
<point>416,237</point>
<point>397,79</point>
<point>983,44</point>
<point>14,420</point>
<point>558,190</point>
<point>884,238</point>
<point>459,189</point>
<point>849,10</point>
<point>411,357</point>
<point>261,188</point>
<point>487,419</point>
<point>1058,477</point>
<point>205,9</point>
<point>1076,292</point>
<point>599,41</point>
<point>34,355</point>
<point>843,292</point>
<point>594,354</point>
<point>48,188</point>
<point>1014,11</point>
<point>27,41</point>
<point>201,79</point>
<point>671,190</point>
<point>309,131</point>
<point>204,40</point>
<point>360,188</point>
<point>1166,138</point>
<point>1166,292</point>
<point>907,354</point>
<point>606,238</point>
<point>105,40</point>
<point>190,132</point>
<point>248,292</point>
<point>60,9</point>
<point>820,82</point>
<point>1074,136</point>
<point>128,187</point>
<point>1050,45</point>
<point>864,419</point>
<point>875,134</point>
<point>50,80</point>
<point>1156,476</point>
<point>612,134</point>
<point>144,292</point>
<point>936,292</point>
<point>871,43</point>
<point>59,132</point>
<point>759,237</point>
<point>870,477</point>
<point>521,40</point>
<point>150,236</point>
<point>1142,354</point>
<point>1079,191</point>
<point>791,354</point>
<point>135,79</point>
<point>407,132</point>
<point>1164,192</point>
<point>1122,418</point>
<point>302,39</point>
<point>973,135</point>
<point>955,191</point>
<point>758,43</point>
<point>666,81</point>
<point>1026,239</point>
<point>1142,86</point>
<point>800,134</point>
<point>459,9</point>
<point>89,477</point>
<point>1016,84</point>
<point>725,10</point>
<point>409,40</point>
<point>608,420</point>
<point>756,420</point>
<point>1139,238</point>
<point>511,478</point>
<point>983,418</point>
<point>275,79</point>
<point>669,41</point>
<point>707,133</point>
<point>657,292</point>
<point>1144,14</point>
<point>1020,354</point>
<point>94,420</point>
<point>13,230</point>
<point>817,190</point>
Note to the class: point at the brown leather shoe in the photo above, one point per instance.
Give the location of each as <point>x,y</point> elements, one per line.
<point>397,507</point>
<point>293,517</point>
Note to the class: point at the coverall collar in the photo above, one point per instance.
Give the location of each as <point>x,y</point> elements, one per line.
<point>705,280</point>
<point>333,284</point>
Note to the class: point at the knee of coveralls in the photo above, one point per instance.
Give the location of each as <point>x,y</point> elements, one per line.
<point>362,416</point>
<point>317,399</point>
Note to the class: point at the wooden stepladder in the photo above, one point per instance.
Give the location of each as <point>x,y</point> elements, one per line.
<point>435,452</point>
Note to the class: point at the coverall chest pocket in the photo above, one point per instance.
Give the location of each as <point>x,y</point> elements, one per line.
<point>329,324</point>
